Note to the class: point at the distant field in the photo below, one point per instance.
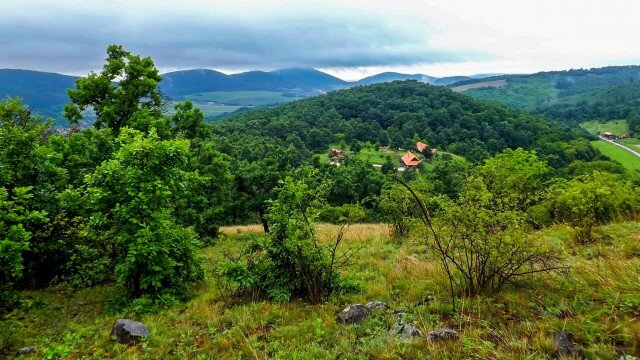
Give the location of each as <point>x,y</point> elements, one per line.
<point>520,93</point>
<point>486,84</point>
<point>617,127</point>
<point>633,143</point>
<point>240,98</point>
<point>627,159</point>
<point>207,109</point>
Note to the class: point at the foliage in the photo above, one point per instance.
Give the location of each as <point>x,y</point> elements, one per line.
<point>126,85</point>
<point>592,199</point>
<point>14,238</point>
<point>289,262</point>
<point>133,199</point>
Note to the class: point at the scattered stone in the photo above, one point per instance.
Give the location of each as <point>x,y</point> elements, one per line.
<point>400,314</point>
<point>565,346</point>
<point>443,334</point>
<point>353,314</point>
<point>128,331</point>
<point>375,305</point>
<point>27,350</point>
<point>629,357</point>
<point>406,331</point>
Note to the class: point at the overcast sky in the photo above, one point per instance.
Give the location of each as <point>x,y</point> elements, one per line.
<point>350,39</point>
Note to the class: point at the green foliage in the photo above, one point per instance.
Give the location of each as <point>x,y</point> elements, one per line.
<point>133,199</point>
<point>15,217</point>
<point>592,199</point>
<point>289,262</point>
<point>117,104</point>
<point>515,178</point>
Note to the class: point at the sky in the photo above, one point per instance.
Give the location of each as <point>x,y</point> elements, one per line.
<point>349,39</point>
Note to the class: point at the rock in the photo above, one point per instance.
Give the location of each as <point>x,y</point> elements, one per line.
<point>565,346</point>
<point>443,334</point>
<point>27,350</point>
<point>406,331</point>
<point>353,314</point>
<point>629,357</point>
<point>400,314</point>
<point>375,305</point>
<point>128,331</point>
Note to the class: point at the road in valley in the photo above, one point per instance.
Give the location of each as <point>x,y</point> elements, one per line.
<point>620,145</point>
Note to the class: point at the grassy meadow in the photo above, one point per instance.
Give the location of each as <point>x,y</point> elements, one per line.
<point>624,157</point>
<point>617,127</point>
<point>597,299</point>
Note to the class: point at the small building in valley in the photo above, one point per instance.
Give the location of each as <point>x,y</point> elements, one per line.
<point>607,134</point>
<point>335,153</point>
<point>420,146</point>
<point>409,159</point>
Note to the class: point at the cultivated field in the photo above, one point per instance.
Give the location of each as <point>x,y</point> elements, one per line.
<point>485,84</point>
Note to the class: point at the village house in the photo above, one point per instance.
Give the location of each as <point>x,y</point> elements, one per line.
<point>410,160</point>
<point>608,135</point>
<point>335,153</point>
<point>420,146</point>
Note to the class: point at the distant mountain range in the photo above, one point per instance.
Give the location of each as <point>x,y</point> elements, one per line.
<point>218,93</point>
<point>46,93</point>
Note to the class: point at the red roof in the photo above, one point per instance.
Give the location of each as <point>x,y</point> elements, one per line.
<point>421,146</point>
<point>410,160</point>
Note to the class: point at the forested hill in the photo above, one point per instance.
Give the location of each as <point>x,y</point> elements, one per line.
<point>573,95</point>
<point>45,93</point>
<point>399,114</point>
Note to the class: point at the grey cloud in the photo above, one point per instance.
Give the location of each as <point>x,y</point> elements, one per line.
<point>75,41</point>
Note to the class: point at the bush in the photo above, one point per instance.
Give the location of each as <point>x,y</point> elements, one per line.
<point>590,200</point>
<point>289,262</point>
<point>482,249</point>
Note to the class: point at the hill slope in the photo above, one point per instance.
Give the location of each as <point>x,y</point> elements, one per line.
<point>400,112</point>
<point>44,93</point>
<point>201,80</point>
<point>574,95</point>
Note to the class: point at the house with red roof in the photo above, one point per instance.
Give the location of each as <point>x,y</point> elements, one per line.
<point>421,146</point>
<point>409,159</point>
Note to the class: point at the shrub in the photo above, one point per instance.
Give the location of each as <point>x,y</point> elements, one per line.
<point>289,262</point>
<point>482,249</point>
<point>590,200</point>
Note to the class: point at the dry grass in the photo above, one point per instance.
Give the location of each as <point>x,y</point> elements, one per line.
<point>325,232</point>
<point>597,300</point>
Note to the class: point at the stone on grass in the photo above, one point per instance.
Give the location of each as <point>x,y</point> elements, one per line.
<point>565,346</point>
<point>629,357</point>
<point>406,331</point>
<point>127,331</point>
<point>375,305</point>
<point>443,334</point>
<point>353,314</point>
<point>27,350</point>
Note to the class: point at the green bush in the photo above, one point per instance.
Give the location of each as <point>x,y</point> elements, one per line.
<point>289,262</point>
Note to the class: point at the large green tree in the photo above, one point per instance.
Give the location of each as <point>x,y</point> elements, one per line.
<point>134,198</point>
<point>126,85</point>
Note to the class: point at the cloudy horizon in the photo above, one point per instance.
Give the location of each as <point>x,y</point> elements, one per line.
<point>350,41</point>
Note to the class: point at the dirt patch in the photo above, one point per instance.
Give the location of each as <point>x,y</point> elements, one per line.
<point>485,84</point>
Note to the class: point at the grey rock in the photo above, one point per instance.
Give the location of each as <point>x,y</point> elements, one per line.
<point>128,331</point>
<point>375,305</point>
<point>400,314</point>
<point>406,331</point>
<point>353,314</point>
<point>27,350</point>
<point>565,346</point>
<point>443,334</point>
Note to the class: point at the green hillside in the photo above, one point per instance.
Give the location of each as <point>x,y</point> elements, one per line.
<point>574,96</point>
